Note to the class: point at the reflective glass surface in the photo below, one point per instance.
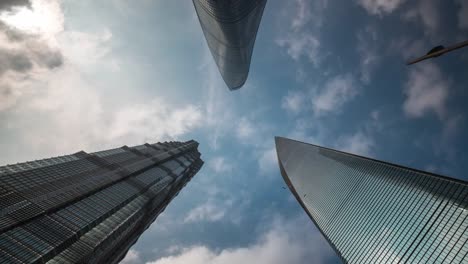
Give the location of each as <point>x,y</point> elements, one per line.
<point>230,29</point>
<point>375,212</point>
<point>85,207</point>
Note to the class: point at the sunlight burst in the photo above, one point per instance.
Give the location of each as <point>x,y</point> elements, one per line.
<point>43,17</point>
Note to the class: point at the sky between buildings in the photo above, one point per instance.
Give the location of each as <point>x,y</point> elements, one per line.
<point>90,75</point>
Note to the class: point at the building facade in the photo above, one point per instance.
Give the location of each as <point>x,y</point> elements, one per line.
<point>376,212</point>
<point>230,28</point>
<point>89,207</point>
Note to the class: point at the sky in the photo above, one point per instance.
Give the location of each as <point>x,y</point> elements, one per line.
<point>91,75</point>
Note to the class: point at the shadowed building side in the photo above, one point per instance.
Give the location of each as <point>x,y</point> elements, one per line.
<point>230,28</point>
<point>89,207</point>
<point>376,212</point>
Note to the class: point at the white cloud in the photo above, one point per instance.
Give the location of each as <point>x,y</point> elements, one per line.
<point>132,257</point>
<point>43,18</point>
<point>335,93</point>
<point>250,132</point>
<point>219,204</point>
<point>209,211</point>
<point>303,20</point>
<point>46,96</point>
<point>300,12</point>
<point>8,95</point>
<point>367,49</point>
<point>426,91</point>
<point>268,161</point>
<point>301,45</point>
<point>76,118</point>
<point>88,51</point>
<point>359,143</point>
<point>362,141</point>
<point>219,112</point>
<point>427,13</point>
<point>174,249</point>
<point>153,121</point>
<point>220,165</point>
<point>310,131</point>
<point>293,102</point>
<point>291,242</point>
<point>303,14</point>
<point>463,14</point>
<point>28,49</point>
<point>245,129</point>
<point>380,7</point>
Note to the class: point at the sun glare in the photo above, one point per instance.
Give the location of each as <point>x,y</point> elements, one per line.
<point>41,18</point>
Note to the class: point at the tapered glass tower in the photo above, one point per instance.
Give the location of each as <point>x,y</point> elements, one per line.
<point>230,28</point>
<point>376,212</point>
<point>89,207</point>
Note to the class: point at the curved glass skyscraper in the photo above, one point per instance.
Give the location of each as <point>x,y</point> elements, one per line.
<point>89,208</point>
<point>376,212</point>
<point>230,28</point>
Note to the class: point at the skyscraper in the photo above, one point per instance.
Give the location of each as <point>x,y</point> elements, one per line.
<point>89,208</point>
<point>230,28</point>
<point>376,212</point>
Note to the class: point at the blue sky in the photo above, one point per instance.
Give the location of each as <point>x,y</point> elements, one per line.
<point>90,75</point>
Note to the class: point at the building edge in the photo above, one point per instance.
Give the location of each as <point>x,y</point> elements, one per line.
<point>298,198</point>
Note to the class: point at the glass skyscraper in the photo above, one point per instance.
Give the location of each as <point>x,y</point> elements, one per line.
<point>376,212</point>
<point>89,207</point>
<point>230,28</point>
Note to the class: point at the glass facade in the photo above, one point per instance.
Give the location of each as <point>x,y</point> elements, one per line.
<point>230,29</point>
<point>375,212</point>
<point>89,208</point>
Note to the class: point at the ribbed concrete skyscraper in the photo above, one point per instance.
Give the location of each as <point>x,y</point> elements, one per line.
<point>89,208</point>
<point>376,212</point>
<point>230,28</point>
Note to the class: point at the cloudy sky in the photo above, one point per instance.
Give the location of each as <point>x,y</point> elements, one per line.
<point>89,75</point>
